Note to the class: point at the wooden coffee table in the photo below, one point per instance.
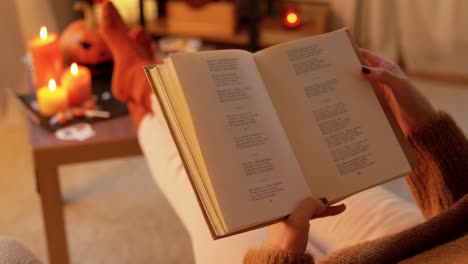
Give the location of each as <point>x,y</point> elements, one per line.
<point>114,138</point>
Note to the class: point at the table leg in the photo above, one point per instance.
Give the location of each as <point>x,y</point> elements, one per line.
<point>52,213</point>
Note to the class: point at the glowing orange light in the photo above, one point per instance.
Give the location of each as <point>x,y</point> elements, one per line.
<point>291,18</point>
<point>43,32</point>
<point>52,85</point>
<point>74,68</point>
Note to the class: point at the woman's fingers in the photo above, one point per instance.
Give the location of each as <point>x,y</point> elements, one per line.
<point>375,60</point>
<point>389,88</point>
<point>311,208</point>
<point>305,211</point>
<point>291,235</point>
<point>331,211</point>
<point>411,108</point>
<point>380,75</point>
<point>371,58</point>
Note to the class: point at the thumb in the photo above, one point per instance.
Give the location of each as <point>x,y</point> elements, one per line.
<point>305,211</point>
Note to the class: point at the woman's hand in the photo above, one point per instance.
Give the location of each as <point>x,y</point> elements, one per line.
<point>411,109</point>
<point>291,235</point>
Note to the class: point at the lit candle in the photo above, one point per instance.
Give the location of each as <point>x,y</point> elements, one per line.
<point>77,81</point>
<point>46,57</point>
<point>51,99</point>
<point>292,18</point>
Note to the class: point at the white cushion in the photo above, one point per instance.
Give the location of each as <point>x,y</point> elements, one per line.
<point>371,214</point>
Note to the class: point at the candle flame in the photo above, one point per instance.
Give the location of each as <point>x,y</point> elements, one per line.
<point>291,18</point>
<point>74,68</point>
<point>43,32</point>
<point>52,85</point>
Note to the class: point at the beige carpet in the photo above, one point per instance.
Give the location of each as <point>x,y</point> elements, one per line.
<point>114,212</point>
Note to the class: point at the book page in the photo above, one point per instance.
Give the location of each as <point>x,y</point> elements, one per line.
<point>178,117</point>
<point>332,117</point>
<point>251,165</point>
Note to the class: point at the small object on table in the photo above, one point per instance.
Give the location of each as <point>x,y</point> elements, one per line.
<point>78,112</point>
<point>52,99</point>
<point>96,113</point>
<point>77,81</point>
<point>46,57</point>
<point>80,132</point>
<point>292,17</point>
<point>60,118</point>
<point>90,104</point>
<point>34,105</point>
<point>106,96</point>
<point>75,114</point>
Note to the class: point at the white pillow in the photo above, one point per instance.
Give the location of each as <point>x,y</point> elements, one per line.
<point>371,214</point>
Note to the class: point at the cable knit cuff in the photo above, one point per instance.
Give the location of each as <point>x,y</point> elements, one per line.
<point>268,256</point>
<point>13,252</point>
<point>443,144</point>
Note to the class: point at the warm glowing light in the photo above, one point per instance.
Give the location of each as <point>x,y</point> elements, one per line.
<point>291,18</point>
<point>74,68</point>
<point>52,85</point>
<point>43,32</point>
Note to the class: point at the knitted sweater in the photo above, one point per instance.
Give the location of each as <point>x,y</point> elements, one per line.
<point>439,186</point>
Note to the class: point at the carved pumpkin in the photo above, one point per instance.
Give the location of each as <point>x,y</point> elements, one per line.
<point>81,41</point>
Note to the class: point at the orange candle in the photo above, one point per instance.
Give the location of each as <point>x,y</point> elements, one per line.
<point>52,99</point>
<point>46,57</point>
<point>77,81</point>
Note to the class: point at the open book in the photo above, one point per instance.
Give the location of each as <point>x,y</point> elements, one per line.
<point>260,132</point>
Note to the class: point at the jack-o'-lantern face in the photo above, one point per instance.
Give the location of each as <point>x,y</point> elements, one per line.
<point>81,41</point>
<point>84,46</point>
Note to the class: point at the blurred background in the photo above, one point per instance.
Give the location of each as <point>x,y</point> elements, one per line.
<point>426,36</point>
<point>113,211</point>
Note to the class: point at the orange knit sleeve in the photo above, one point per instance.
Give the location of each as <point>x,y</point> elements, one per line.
<point>441,178</point>
<point>269,256</point>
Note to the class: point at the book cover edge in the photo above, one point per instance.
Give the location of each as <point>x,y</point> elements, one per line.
<point>147,69</point>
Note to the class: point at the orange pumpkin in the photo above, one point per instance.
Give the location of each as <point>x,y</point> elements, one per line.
<point>81,41</point>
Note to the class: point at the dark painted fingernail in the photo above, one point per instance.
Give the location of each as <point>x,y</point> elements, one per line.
<point>324,200</point>
<point>365,70</point>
